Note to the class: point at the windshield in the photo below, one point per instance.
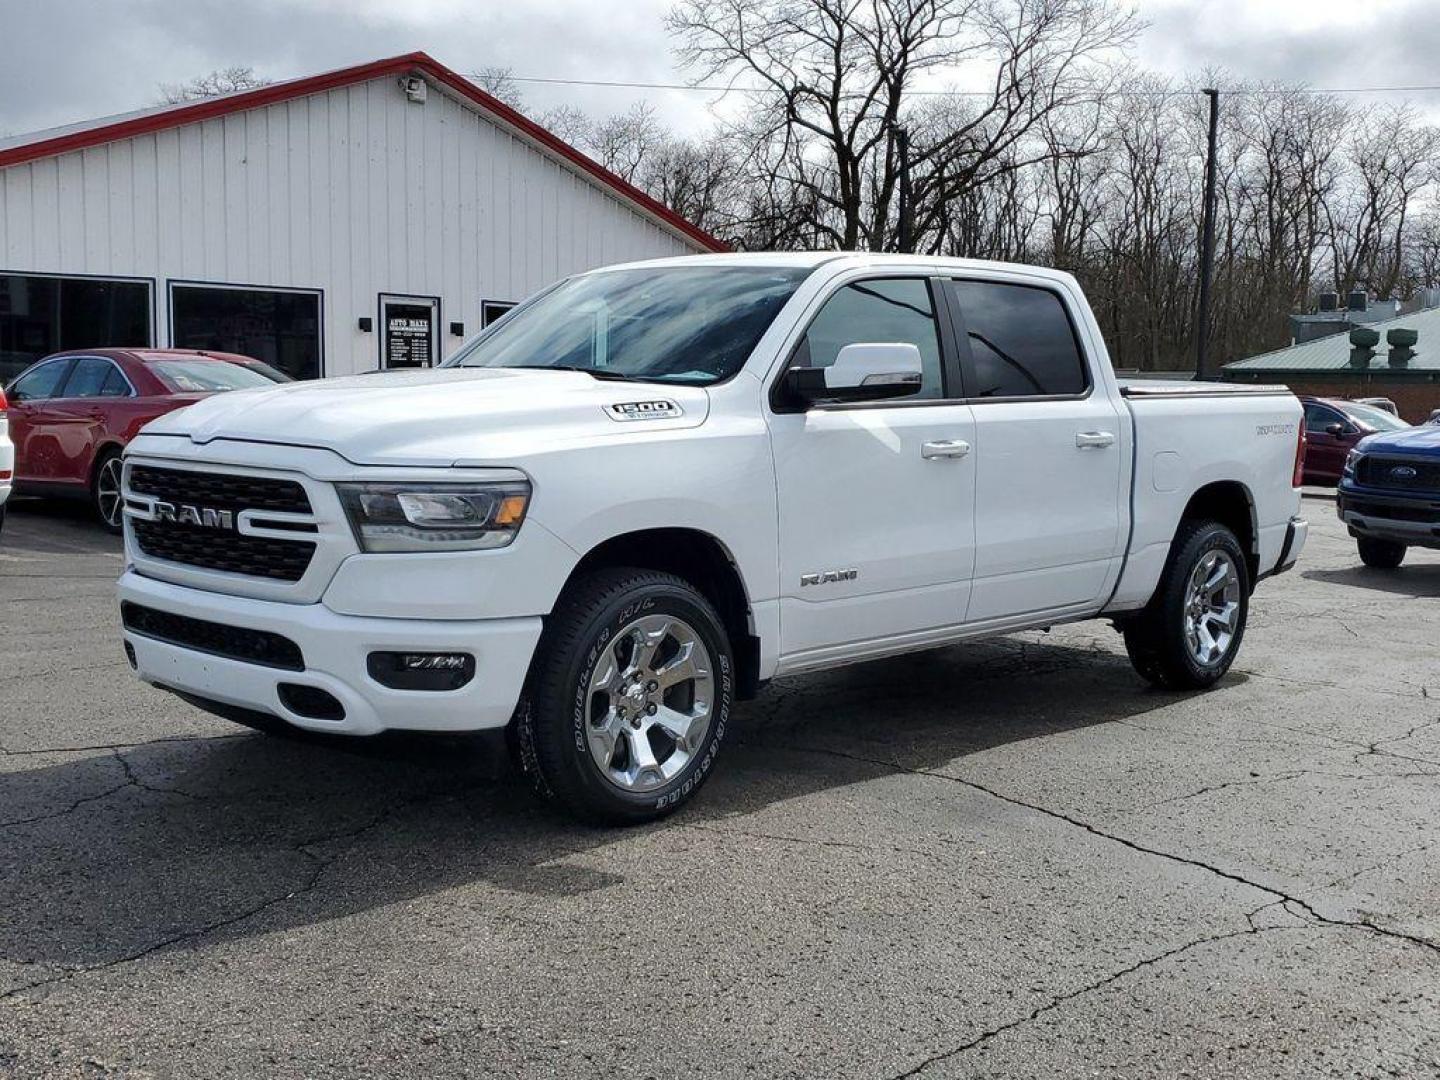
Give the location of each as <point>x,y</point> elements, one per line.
<point>1371,417</point>
<point>207,376</point>
<point>684,325</point>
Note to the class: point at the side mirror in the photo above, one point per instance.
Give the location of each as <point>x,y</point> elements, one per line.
<point>1336,430</point>
<point>861,372</point>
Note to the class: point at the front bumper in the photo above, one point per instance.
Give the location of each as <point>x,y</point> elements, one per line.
<point>1413,521</point>
<point>335,649</point>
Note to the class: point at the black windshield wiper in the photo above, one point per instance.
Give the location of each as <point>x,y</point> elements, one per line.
<point>598,373</point>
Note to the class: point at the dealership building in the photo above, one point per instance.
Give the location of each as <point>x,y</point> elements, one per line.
<point>366,218</point>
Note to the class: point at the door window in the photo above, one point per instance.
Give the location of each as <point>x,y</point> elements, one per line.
<point>89,378</point>
<point>1022,343</point>
<point>882,310</point>
<point>410,332</point>
<point>40,383</point>
<point>1318,418</point>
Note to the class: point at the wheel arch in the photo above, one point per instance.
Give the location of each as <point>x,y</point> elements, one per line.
<point>706,563</point>
<point>103,450</point>
<point>1232,504</point>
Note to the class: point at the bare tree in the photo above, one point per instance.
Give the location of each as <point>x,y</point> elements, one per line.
<point>499,83</point>
<point>832,80</point>
<point>221,81</point>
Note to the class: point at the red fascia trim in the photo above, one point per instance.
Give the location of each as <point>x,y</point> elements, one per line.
<point>295,88</point>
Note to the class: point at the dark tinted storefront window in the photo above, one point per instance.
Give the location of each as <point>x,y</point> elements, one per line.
<point>40,315</point>
<point>281,329</point>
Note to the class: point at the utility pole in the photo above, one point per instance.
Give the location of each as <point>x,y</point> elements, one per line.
<point>902,147</point>
<point>1207,242</point>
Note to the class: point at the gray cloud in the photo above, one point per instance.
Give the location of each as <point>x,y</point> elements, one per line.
<point>69,60</point>
<point>1390,43</point>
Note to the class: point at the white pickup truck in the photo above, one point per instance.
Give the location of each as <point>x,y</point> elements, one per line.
<point>651,488</point>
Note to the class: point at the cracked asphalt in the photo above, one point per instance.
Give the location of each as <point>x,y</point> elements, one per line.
<point>1008,859</point>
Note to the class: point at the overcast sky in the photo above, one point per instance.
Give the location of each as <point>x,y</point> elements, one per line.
<point>68,60</point>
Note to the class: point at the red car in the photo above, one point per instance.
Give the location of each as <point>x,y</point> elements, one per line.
<point>1332,428</point>
<point>71,414</point>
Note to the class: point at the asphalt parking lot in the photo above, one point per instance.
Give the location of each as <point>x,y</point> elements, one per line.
<point>1009,859</point>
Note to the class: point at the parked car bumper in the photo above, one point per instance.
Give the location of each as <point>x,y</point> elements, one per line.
<point>208,662</point>
<point>1296,533</point>
<point>1409,519</point>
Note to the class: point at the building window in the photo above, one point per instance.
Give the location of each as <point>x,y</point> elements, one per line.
<point>41,314</point>
<point>491,310</point>
<point>280,327</point>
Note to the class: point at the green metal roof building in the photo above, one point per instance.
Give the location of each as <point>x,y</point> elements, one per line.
<point>1397,359</point>
<point>1335,356</point>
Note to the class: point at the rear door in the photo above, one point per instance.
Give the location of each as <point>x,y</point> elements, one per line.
<point>1049,453</point>
<point>37,451</point>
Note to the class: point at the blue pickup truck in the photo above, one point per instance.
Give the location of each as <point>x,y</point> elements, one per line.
<point>1389,495</point>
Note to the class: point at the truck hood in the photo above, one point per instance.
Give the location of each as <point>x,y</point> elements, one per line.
<point>439,416</point>
<point>1422,440</point>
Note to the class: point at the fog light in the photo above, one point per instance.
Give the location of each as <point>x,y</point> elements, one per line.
<point>421,671</point>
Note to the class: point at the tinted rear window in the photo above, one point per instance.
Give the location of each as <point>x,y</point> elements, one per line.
<point>1021,341</point>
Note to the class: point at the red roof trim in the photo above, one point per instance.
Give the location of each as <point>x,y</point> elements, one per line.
<point>397,65</point>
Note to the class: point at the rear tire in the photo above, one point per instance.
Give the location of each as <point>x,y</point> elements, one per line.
<point>1380,554</point>
<point>628,697</point>
<point>1187,638</point>
<point>105,495</point>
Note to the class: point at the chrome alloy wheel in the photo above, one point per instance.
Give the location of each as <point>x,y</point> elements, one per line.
<point>1212,607</point>
<point>651,699</point>
<point>108,499</point>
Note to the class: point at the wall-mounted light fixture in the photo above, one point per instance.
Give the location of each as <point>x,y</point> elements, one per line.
<point>458,329</point>
<point>366,324</point>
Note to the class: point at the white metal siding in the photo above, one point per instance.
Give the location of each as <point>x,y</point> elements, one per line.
<point>355,191</point>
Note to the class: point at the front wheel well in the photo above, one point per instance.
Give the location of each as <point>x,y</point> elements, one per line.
<point>1229,503</point>
<point>704,562</point>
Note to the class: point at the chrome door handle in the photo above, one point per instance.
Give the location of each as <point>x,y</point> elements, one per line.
<point>1086,439</point>
<point>946,448</point>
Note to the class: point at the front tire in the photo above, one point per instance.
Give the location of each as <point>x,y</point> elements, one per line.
<point>1187,638</point>
<point>628,698</point>
<point>105,493</point>
<point>1380,554</point>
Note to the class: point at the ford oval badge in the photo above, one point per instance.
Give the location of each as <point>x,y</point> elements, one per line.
<point>1403,472</point>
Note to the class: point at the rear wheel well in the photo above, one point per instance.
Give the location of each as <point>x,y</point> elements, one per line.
<point>704,562</point>
<point>1229,503</point>
<point>102,453</point>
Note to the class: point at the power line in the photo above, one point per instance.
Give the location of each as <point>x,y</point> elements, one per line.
<point>1252,91</point>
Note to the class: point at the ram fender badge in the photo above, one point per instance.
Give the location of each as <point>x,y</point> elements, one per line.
<point>828,577</point>
<point>660,409</point>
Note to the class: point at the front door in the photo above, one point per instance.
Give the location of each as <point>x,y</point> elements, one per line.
<point>33,422</point>
<point>876,529</point>
<point>410,328</point>
<point>1050,449</point>
<point>1325,450</point>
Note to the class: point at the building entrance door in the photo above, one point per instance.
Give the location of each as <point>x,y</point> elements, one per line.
<point>410,332</point>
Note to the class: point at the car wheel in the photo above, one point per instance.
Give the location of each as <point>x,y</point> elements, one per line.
<point>1381,554</point>
<point>628,697</point>
<point>106,494</point>
<point>1187,637</point>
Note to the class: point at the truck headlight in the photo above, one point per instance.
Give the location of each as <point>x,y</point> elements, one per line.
<point>435,517</point>
<point>1351,460</point>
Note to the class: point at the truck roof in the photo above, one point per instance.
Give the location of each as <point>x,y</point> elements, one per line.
<point>814,259</point>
